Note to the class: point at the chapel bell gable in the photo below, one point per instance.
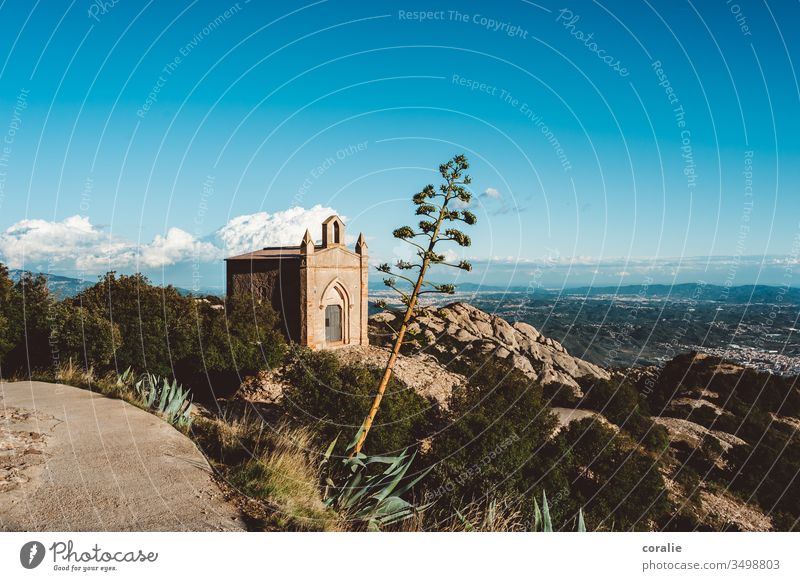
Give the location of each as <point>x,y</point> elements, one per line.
<point>332,232</point>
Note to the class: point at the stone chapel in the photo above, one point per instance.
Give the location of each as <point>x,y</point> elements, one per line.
<point>320,291</point>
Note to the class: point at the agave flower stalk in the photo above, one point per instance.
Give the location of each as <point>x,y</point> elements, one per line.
<point>436,211</point>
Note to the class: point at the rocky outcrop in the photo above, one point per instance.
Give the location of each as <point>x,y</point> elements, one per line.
<point>460,331</point>
<point>418,371</point>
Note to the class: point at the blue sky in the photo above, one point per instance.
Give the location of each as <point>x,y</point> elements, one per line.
<point>161,136</point>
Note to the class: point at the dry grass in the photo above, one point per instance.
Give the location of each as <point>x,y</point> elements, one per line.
<point>499,515</point>
<point>276,464</point>
<point>78,376</point>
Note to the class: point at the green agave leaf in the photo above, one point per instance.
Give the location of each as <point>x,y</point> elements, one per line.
<point>464,521</point>
<point>397,517</point>
<point>392,506</point>
<point>352,444</point>
<point>547,523</point>
<point>399,474</point>
<point>327,455</point>
<point>410,485</point>
<point>581,523</point>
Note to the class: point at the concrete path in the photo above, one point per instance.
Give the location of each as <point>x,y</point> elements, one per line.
<point>72,460</point>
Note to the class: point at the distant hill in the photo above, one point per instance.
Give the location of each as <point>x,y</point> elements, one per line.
<point>707,292</point>
<point>65,287</point>
<point>753,294</point>
<point>61,286</point>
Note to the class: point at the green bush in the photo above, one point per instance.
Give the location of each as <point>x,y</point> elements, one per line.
<point>84,337</point>
<point>499,443</point>
<point>233,339</point>
<point>619,486</point>
<point>768,472</point>
<point>208,345</point>
<point>335,398</point>
<point>157,325</point>
<point>28,309</point>
<point>8,334</point>
<point>124,321</point>
<point>619,401</point>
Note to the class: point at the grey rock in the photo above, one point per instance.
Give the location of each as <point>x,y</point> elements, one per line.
<point>463,330</point>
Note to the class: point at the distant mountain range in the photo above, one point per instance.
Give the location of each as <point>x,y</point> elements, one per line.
<point>686,291</point>
<point>64,286</point>
<point>61,286</point>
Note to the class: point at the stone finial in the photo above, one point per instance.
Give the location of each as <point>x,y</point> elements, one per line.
<point>361,245</point>
<point>307,245</point>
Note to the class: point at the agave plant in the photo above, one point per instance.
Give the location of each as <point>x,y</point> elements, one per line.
<point>542,521</point>
<point>125,378</point>
<point>167,398</point>
<point>374,487</point>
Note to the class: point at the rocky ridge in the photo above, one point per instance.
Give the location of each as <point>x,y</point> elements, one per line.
<point>460,331</point>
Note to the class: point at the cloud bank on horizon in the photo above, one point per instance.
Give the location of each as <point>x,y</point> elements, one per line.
<point>75,246</point>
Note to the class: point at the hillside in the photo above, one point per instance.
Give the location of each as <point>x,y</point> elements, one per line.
<point>711,429</point>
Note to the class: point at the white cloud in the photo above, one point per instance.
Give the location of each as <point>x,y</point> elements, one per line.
<point>451,256</point>
<point>286,228</point>
<point>493,193</point>
<point>51,242</point>
<point>76,244</point>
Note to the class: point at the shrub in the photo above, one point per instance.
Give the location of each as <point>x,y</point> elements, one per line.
<point>28,309</point>
<point>8,334</point>
<point>156,324</point>
<point>499,443</point>
<point>84,337</point>
<point>335,398</point>
<point>619,401</point>
<point>208,346</point>
<point>619,486</point>
<point>768,472</point>
<point>234,339</point>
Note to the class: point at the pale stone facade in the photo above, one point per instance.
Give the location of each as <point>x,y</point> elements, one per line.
<point>319,291</point>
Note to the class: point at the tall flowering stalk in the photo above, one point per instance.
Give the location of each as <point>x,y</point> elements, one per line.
<point>435,227</point>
